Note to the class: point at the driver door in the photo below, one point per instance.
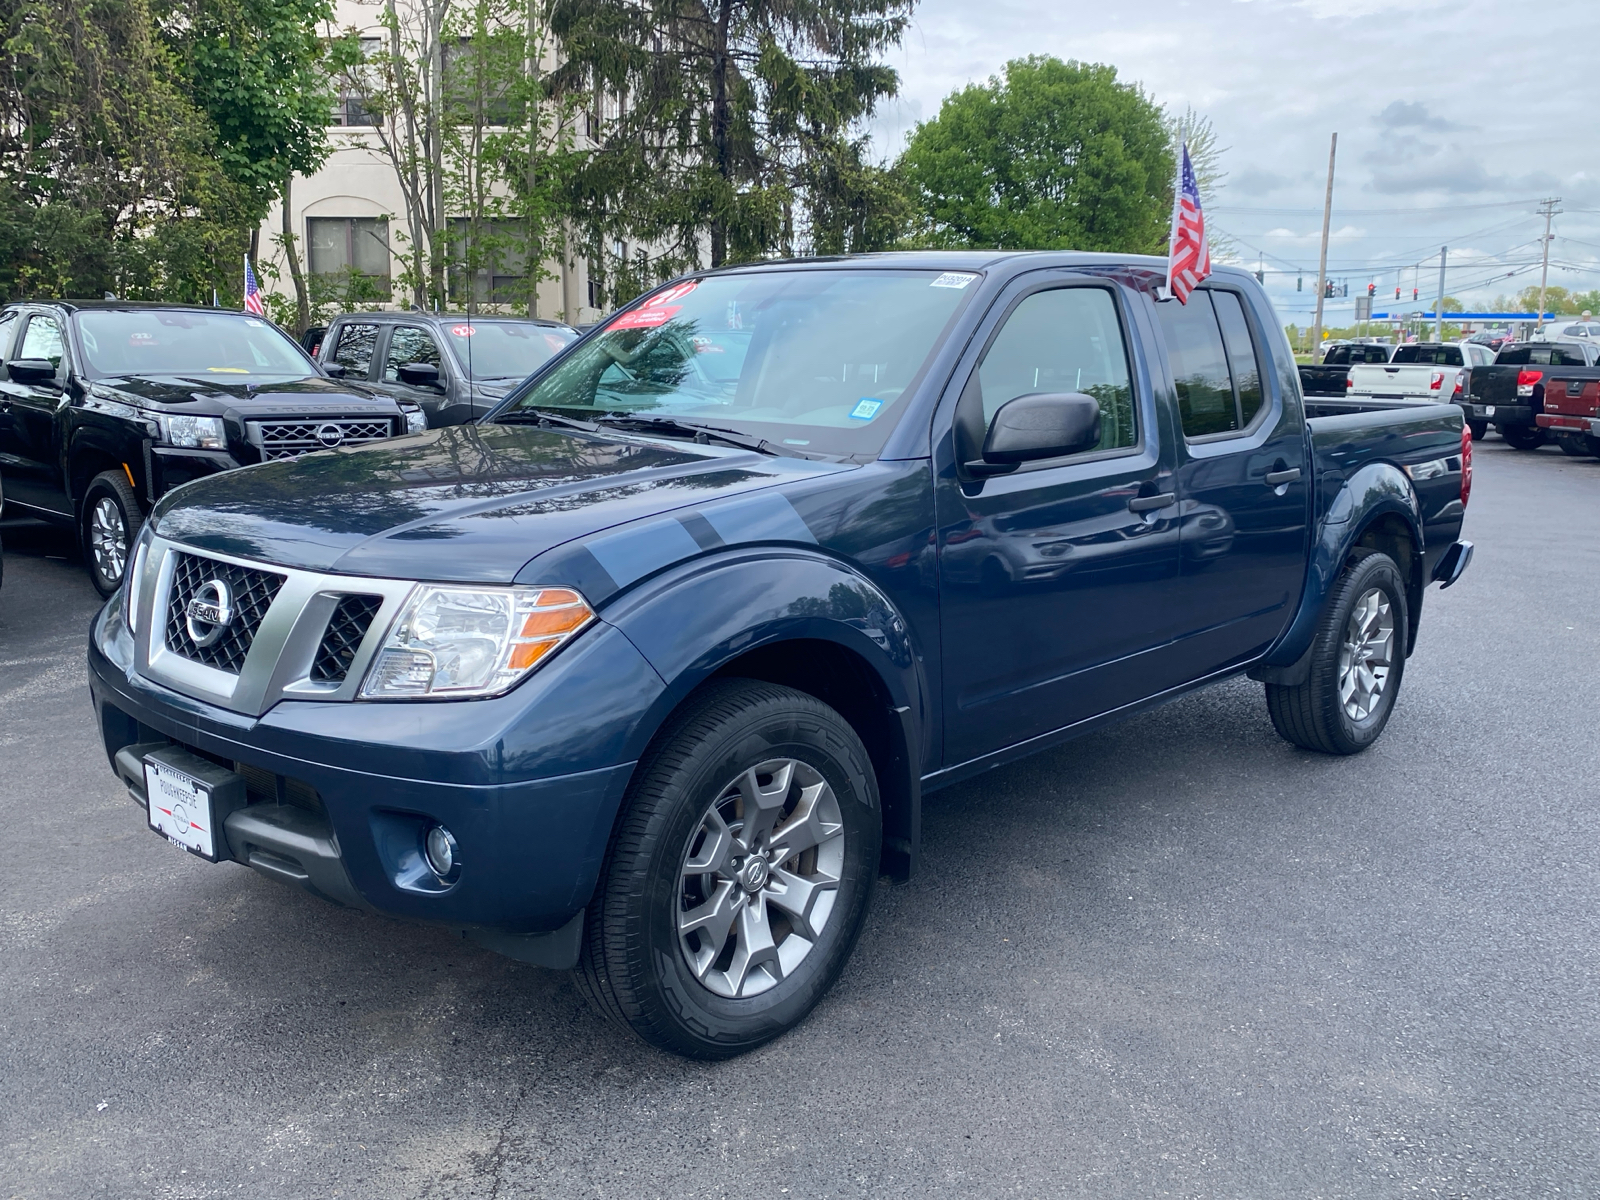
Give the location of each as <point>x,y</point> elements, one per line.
<point>1055,580</point>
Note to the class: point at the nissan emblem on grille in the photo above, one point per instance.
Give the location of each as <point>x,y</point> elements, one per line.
<point>209,614</point>
<point>330,435</point>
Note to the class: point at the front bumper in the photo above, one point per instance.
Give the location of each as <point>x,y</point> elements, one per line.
<point>339,794</point>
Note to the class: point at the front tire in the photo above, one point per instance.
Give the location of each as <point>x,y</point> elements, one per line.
<point>740,873</point>
<point>110,522</point>
<point>1358,659</point>
<point>1523,437</point>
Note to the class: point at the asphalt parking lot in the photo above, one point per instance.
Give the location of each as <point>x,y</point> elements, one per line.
<point>1178,958</point>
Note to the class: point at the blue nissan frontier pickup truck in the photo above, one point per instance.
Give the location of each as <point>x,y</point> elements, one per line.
<point>646,673</point>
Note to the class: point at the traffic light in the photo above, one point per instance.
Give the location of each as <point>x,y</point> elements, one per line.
<point>1413,295</point>
<point>1299,283</point>
<point>1328,289</point>
<point>1372,290</point>
<point>1397,291</point>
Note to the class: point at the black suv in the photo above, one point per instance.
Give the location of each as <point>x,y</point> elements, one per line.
<point>456,367</point>
<point>106,406</point>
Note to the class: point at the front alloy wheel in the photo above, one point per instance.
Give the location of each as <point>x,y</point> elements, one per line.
<point>1365,656</point>
<point>111,519</point>
<point>739,875</point>
<point>760,876</point>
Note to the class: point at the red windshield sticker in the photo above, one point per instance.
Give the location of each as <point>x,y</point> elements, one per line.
<point>645,318</point>
<point>462,331</point>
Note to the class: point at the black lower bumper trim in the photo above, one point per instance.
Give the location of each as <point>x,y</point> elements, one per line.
<point>557,950</point>
<point>1453,564</point>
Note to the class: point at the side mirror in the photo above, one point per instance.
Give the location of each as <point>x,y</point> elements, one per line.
<point>31,370</point>
<point>420,375</point>
<point>1039,425</point>
<point>335,370</point>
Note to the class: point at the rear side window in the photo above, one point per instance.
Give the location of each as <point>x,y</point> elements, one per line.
<point>1065,340</point>
<point>1241,355</point>
<point>1439,356</point>
<point>1215,368</point>
<point>354,348</point>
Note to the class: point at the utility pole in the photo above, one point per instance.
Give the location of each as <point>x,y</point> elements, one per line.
<point>1547,210</point>
<point>1438,305</point>
<point>1322,263</point>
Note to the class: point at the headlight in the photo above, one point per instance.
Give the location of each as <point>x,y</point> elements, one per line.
<point>451,642</point>
<point>195,433</point>
<point>416,420</point>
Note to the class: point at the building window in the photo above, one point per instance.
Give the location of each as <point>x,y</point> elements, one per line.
<point>496,265</point>
<point>350,107</point>
<point>354,248</point>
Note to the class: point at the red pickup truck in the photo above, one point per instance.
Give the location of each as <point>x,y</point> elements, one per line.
<point>1572,410</point>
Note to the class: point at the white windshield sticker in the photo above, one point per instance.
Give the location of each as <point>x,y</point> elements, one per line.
<point>953,279</point>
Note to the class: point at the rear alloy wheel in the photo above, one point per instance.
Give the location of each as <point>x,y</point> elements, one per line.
<point>1358,658</point>
<point>740,874</point>
<point>111,520</point>
<point>1523,437</point>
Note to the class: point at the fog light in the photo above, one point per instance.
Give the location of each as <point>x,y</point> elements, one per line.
<point>439,848</point>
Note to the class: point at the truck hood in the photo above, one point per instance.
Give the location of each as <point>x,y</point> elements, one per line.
<point>466,503</point>
<point>214,395</point>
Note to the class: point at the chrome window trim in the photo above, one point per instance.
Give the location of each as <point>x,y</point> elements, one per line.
<point>278,666</point>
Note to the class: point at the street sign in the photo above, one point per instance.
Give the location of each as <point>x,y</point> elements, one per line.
<point>1363,308</point>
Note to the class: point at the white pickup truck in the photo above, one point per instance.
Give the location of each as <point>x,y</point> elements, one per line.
<point>1419,373</point>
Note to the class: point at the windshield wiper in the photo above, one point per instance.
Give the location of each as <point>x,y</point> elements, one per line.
<point>694,429</point>
<point>536,416</point>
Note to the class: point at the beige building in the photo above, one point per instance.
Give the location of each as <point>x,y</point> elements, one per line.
<point>351,214</point>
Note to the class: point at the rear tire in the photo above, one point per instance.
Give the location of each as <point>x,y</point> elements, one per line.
<point>715,961</point>
<point>1480,430</point>
<point>1578,445</point>
<point>1523,437</point>
<point>109,523</point>
<point>1358,659</point>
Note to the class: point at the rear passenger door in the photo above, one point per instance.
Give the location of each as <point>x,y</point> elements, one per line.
<point>353,345</point>
<point>1243,483</point>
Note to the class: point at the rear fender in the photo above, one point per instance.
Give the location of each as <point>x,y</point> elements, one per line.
<point>733,612</point>
<point>1375,492</point>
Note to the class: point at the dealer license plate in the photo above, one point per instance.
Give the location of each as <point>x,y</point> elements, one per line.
<point>180,808</point>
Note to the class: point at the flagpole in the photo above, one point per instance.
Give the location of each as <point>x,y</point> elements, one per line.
<point>1177,206</point>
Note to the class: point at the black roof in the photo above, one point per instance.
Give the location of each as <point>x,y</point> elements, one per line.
<point>390,314</point>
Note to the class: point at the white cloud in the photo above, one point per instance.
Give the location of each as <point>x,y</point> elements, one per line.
<point>1421,125</point>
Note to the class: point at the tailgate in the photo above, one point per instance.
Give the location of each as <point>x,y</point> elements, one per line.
<point>1571,397</point>
<point>1495,385</point>
<point>1420,381</point>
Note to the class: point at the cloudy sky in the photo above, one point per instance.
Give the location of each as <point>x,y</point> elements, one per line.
<point>1454,120</point>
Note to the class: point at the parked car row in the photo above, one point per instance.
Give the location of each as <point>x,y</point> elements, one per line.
<point>106,406</point>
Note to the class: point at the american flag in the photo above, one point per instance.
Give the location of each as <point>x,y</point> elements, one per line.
<point>252,293</point>
<point>1190,258</point>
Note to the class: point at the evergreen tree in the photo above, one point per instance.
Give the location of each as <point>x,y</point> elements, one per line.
<point>727,130</point>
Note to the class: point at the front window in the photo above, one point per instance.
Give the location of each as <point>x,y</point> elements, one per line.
<point>187,342</point>
<point>505,349</point>
<point>816,361</point>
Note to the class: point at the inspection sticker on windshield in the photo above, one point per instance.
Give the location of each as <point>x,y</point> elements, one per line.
<point>866,410</point>
<point>462,331</point>
<point>953,279</point>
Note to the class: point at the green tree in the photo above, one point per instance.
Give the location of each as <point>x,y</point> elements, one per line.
<point>731,130</point>
<point>259,71</point>
<point>108,174</point>
<point>1054,155</point>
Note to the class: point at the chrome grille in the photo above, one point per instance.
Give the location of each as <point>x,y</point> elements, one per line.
<point>250,593</point>
<point>290,439</point>
<point>346,628</point>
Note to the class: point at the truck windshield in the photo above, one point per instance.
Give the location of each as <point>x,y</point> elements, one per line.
<point>814,360</point>
<point>505,349</point>
<point>180,342</point>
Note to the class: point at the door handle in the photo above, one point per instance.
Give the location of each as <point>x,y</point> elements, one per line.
<point>1146,503</point>
<point>1274,478</point>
